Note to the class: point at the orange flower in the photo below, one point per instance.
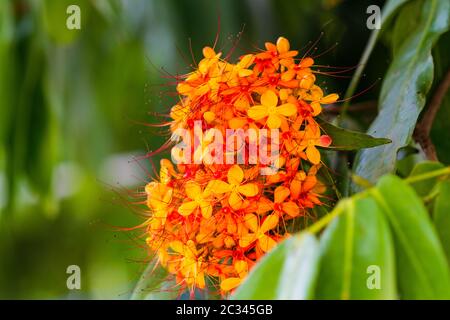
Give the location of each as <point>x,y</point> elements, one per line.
<point>214,220</point>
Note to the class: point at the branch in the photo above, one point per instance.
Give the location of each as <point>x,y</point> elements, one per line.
<point>423,127</point>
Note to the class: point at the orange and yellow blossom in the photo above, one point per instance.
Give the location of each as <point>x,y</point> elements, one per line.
<point>216,220</point>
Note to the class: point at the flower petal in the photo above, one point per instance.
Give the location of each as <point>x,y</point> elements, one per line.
<point>230,284</point>
<point>269,223</point>
<point>249,189</point>
<point>235,201</point>
<point>193,190</point>
<point>280,194</point>
<point>313,154</point>
<point>273,121</point>
<point>291,208</point>
<point>266,243</point>
<point>258,112</point>
<point>187,208</point>
<point>269,99</point>
<point>235,175</point>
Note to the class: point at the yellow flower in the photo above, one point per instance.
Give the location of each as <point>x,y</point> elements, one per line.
<point>199,199</point>
<point>269,109</point>
<point>235,187</point>
<point>264,242</point>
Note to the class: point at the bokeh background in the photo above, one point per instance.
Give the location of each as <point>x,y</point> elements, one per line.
<point>73,109</point>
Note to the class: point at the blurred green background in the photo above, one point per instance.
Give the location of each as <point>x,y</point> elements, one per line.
<point>70,103</point>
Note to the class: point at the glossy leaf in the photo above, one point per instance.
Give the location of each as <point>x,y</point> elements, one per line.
<point>403,93</point>
<point>357,254</point>
<point>441,216</point>
<point>287,272</point>
<point>343,139</point>
<point>421,266</point>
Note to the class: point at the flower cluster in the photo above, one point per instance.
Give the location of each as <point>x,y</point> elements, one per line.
<point>215,220</point>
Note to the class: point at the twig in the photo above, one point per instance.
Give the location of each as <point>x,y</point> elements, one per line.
<point>423,128</point>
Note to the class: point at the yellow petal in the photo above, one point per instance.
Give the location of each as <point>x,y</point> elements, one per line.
<point>280,194</point>
<point>206,209</point>
<point>251,221</point>
<point>249,189</point>
<point>269,99</point>
<point>218,187</point>
<point>177,246</point>
<point>317,108</point>
<point>208,52</point>
<point>235,201</point>
<point>282,45</point>
<point>193,190</point>
<point>313,154</point>
<point>235,175</point>
<point>269,223</point>
<point>331,98</point>
<point>241,267</point>
<point>230,284</point>
<point>258,112</point>
<point>266,243</point>
<point>287,109</point>
<point>245,73</point>
<point>273,121</point>
<point>246,240</point>
<point>187,208</point>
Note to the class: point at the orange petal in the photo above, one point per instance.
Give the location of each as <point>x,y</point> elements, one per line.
<point>281,193</point>
<point>282,45</point>
<point>230,284</point>
<point>313,154</point>
<point>247,239</point>
<point>291,208</point>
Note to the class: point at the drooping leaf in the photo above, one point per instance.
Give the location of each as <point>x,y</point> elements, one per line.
<point>422,270</point>
<point>343,139</point>
<point>424,187</point>
<point>287,272</point>
<point>441,216</point>
<point>403,93</point>
<point>357,254</point>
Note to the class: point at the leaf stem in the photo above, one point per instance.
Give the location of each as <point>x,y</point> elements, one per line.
<point>428,175</point>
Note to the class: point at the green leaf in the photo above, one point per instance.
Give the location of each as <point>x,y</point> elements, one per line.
<point>441,216</point>
<point>424,187</point>
<point>421,266</point>
<point>287,272</point>
<point>403,93</point>
<point>357,251</point>
<point>344,139</point>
